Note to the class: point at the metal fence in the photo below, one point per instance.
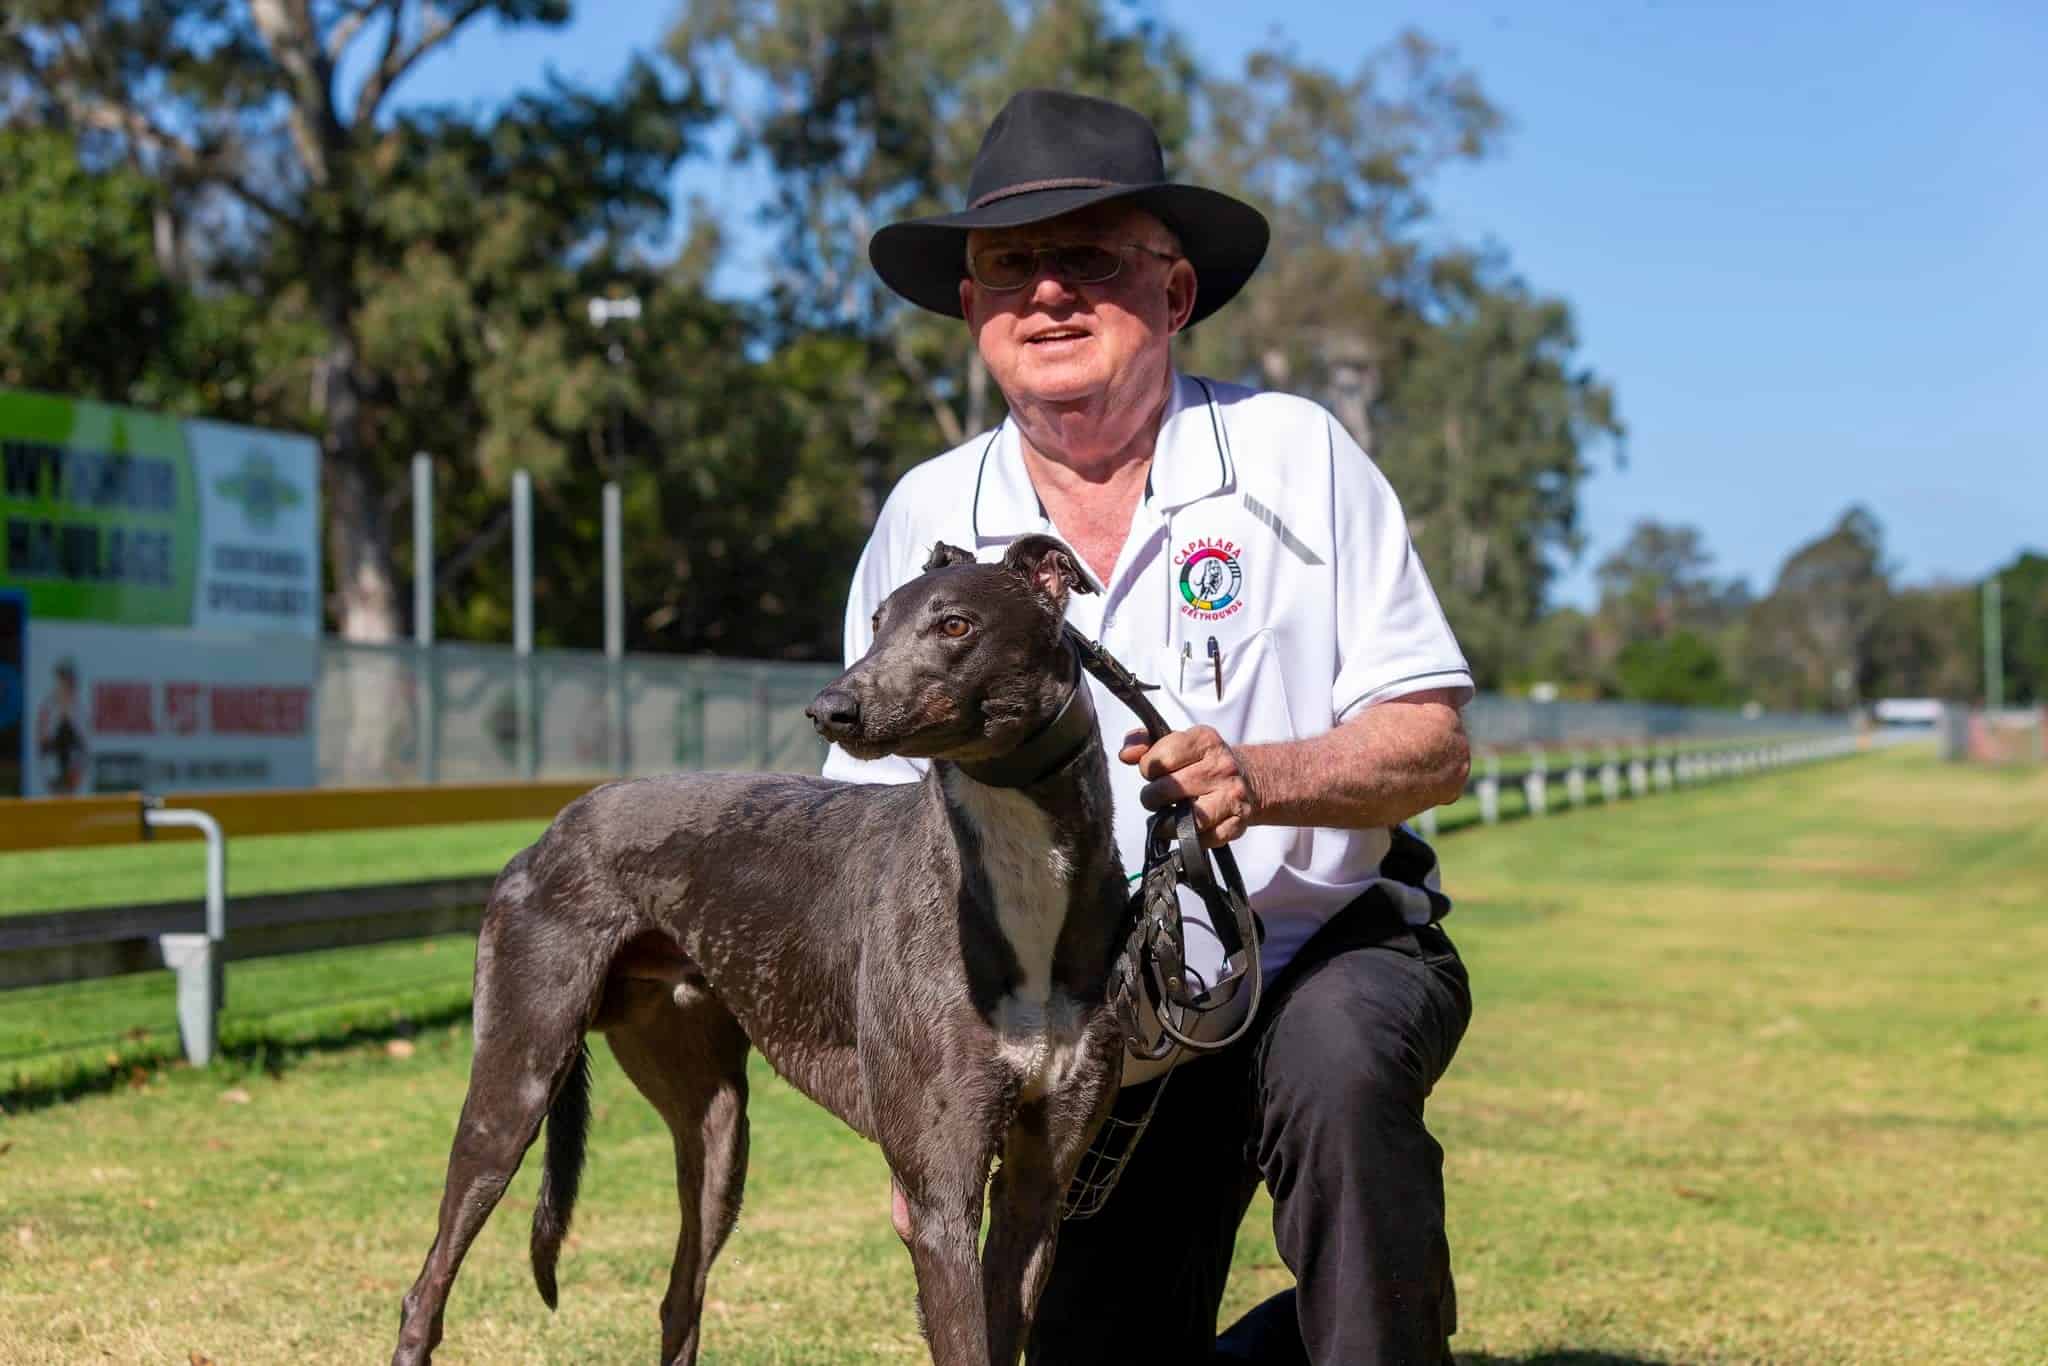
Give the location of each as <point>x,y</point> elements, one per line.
<point>470,713</point>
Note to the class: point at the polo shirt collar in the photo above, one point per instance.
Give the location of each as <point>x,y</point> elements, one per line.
<point>1190,461</point>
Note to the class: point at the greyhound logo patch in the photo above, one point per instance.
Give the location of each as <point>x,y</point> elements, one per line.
<point>1210,578</point>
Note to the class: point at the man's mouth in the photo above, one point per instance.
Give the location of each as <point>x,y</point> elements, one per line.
<point>1056,334</point>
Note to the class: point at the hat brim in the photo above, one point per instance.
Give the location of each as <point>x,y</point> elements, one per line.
<point>1224,239</point>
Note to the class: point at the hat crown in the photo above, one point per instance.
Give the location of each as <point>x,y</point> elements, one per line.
<point>1046,138</point>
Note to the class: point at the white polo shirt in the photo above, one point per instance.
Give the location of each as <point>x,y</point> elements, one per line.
<point>1265,529</point>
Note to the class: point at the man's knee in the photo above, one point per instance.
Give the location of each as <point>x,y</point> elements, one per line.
<point>1361,1029</point>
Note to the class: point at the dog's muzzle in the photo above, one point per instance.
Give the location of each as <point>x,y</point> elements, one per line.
<point>835,713</point>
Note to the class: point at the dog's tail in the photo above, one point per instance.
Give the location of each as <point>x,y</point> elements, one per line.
<point>561,1171</point>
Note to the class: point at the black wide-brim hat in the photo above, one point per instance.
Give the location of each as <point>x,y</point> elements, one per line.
<point>1049,153</point>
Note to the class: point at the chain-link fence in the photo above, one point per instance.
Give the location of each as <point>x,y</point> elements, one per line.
<point>468,713</point>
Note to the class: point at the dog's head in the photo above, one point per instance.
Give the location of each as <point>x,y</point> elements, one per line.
<point>968,659</point>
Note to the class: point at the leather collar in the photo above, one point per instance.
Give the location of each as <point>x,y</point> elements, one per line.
<point>1055,745</point>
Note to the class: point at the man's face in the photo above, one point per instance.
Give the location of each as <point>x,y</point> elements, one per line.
<point>1057,342</point>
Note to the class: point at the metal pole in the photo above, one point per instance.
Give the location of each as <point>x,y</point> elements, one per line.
<point>423,549</point>
<point>1994,647</point>
<point>615,620</point>
<point>427,670</point>
<point>522,616</point>
<point>199,960</point>
<point>762,742</point>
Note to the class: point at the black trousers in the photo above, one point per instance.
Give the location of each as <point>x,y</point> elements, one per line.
<point>1323,1102</point>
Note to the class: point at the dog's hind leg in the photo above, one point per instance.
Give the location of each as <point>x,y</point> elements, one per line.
<point>688,1056</point>
<point>537,983</point>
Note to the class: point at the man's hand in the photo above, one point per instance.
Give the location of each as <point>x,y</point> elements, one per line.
<point>1196,763</point>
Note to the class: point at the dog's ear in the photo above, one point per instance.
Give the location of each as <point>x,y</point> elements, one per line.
<point>943,555</point>
<point>1051,567</point>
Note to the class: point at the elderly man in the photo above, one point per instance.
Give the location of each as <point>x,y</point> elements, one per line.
<point>1254,563</point>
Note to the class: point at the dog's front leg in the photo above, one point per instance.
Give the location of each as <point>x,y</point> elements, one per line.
<point>942,1203</point>
<point>1042,1150</point>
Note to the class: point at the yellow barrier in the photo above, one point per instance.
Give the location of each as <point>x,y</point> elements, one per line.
<point>76,822</point>
<point>69,822</point>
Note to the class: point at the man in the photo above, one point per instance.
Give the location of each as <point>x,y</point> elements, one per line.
<point>1253,563</point>
<point>60,740</point>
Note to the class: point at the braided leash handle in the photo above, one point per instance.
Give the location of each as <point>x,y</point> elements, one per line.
<point>1154,960</point>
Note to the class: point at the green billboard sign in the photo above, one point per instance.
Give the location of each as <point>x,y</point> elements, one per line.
<point>114,515</point>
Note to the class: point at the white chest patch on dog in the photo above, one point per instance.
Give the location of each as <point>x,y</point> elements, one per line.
<point>1027,875</point>
<point>1038,1030</point>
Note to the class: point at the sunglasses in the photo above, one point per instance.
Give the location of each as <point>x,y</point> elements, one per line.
<point>1078,263</point>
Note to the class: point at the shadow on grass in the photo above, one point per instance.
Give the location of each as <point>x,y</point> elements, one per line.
<point>1561,1356</point>
<point>256,1051</point>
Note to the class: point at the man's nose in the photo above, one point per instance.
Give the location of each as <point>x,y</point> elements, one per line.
<point>1049,286</point>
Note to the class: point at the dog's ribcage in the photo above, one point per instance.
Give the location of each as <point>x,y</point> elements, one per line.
<point>1029,877</point>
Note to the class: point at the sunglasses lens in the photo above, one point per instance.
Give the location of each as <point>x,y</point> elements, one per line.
<point>1015,267</point>
<point>1005,268</point>
<point>1086,263</point>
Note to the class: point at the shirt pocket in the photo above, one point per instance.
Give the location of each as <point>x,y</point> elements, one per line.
<point>1246,706</point>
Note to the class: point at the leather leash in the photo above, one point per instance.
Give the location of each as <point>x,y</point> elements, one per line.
<point>1154,959</point>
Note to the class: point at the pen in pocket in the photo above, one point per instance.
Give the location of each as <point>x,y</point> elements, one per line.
<point>1216,662</point>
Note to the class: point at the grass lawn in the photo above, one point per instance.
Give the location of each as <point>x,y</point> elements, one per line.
<point>1755,1077</point>
<point>126,875</point>
<point>120,875</point>
<point>60,1039</point>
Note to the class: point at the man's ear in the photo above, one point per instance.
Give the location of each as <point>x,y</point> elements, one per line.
<point>1052,569</point>
<point>1181,288</point>
<point>943,555</point>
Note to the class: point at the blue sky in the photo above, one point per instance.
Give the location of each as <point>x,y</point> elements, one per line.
<point>1808,245</point>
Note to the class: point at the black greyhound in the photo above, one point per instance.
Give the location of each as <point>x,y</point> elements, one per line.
<point>927,961</point>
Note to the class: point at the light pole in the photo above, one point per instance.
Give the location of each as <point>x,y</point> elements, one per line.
<point>1994,647</point>
<point>602,312</point>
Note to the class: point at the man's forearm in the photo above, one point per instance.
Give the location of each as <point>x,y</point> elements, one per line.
<point>1388,763</point>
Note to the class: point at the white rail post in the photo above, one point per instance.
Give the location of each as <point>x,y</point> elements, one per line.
<point>199,959</point>
<point>1610,776</point>
<point>1638,775</point>
<point>1575,779</point>
<point>1536,783</point>
<point>1489,791</point>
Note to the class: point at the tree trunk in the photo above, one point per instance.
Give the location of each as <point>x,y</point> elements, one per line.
<point>359,555</point>
<point>361,570</point>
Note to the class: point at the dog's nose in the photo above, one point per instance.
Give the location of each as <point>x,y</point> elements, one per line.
<point>834,711</point>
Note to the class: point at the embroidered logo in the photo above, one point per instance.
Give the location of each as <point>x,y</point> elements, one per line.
<point>1210,578</point>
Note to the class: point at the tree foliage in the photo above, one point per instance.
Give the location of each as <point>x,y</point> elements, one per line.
<point>1810,642</point>
<point>223,207</point>
<point>270,164</point>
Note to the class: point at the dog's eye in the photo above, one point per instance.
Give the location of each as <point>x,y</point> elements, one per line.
<point>875,621</point>
<point>956,627</point>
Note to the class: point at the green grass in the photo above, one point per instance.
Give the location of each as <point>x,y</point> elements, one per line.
<point>1755,1076</point>
<point>57,1041</point>
<point>77,879</point>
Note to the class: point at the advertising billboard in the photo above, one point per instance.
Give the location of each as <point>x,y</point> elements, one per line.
<point>169,574</point>
<point>13,692</point>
